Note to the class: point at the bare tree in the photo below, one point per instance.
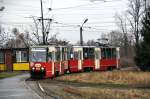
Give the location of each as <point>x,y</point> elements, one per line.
<point>36,28</point>
<point>3,37</point>
<point>36,38</point>
<point>116,38</point>
<point>20,38</point>
<point>135,12</point>
<point>53,40</point>
<point>122,24</point>
<point>90,43</point>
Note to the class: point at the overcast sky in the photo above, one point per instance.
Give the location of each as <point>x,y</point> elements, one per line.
<point>70,13</point>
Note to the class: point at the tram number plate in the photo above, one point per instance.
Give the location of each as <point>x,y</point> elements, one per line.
<point>37,68</point>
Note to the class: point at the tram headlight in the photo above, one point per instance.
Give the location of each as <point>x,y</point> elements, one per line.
<point>42,68</point>
<point>33,68</point>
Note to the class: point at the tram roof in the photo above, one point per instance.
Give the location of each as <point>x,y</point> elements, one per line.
<point>94,46</point>
<point>74,46</point>
<point>46,46</point>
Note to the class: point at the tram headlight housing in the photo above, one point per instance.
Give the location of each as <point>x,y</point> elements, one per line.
<point>33,68</point>
<point>42,68</point>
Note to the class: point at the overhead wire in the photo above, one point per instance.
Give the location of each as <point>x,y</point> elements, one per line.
<point>78,7</point>
<point>84,5</point>
<point>51,5</point>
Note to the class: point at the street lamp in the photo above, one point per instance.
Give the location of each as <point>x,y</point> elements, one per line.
<point>81,29</point>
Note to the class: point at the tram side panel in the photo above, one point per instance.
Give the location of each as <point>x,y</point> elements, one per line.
<point>88,63</point>
<point>109,59</point>
<point>64,62</point>
<point>75,61</point>
<point>59,68</point>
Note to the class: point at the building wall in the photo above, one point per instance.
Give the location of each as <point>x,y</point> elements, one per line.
<point>13,61</point>
<point>3,67</point>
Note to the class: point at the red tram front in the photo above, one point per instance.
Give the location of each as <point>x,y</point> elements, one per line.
<point>48,61</point>
<point>42,61</point>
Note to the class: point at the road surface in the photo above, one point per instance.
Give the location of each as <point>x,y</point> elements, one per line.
<point>15,88</point>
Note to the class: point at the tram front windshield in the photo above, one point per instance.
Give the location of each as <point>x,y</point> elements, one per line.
<point>38,55</point>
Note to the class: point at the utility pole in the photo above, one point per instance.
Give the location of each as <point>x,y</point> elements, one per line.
<point>42,23</point>
<point>81,29</point>
<point>81,37</point>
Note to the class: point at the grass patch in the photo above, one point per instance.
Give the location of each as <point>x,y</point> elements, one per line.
<point>107,93</point>
<point>8,74</point>
<point>101,85</point>
<point>118,78</point>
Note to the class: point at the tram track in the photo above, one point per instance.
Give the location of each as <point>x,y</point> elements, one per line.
<point>57,89</point>
<point>50,93</point>
<point>38,88</point>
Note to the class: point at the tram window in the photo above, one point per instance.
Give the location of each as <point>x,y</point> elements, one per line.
<point>50,56</point>
<point>113,53</point>
<point>58,54</point>
<point>1,57</point>
<point>38,55</point>
<point>63,54</point>
<point>103,53</point>
<point>21,56</point>
<point>85,53</point>
<point>70,55</point>
<point>88,53</point>
<point>53,56</point>
<point>91,53</point>
<point>75,55</point>
<point>108,53</point>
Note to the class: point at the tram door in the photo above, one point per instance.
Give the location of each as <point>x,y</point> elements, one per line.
<point>78,56</point>
<point>52,58</point>
<point>97,58</point>
<point>117,56</point>
<point>8,60</point>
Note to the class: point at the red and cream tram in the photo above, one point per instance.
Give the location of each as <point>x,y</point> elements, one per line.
<point>50,61</point>
<point>109,58</point>
<point>92,58</point>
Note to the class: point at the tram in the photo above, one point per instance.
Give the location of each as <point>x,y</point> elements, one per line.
<point>51,61</point>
